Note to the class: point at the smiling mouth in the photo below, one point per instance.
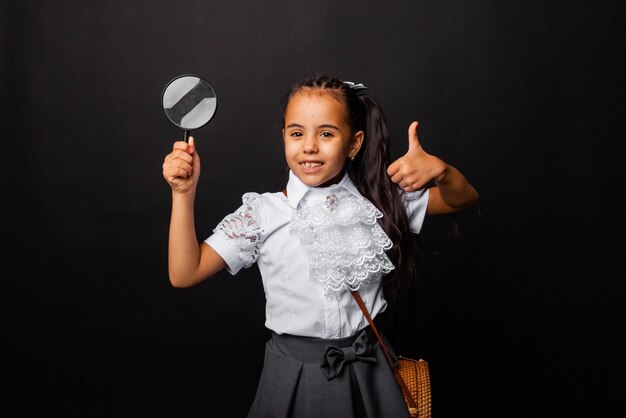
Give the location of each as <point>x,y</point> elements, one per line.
<point>311,164</point>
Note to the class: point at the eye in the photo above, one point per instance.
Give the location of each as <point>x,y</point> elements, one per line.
<point>327,134</point>
<point>295,134</point>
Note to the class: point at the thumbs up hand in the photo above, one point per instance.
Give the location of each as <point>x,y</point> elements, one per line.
<point>416,168</point>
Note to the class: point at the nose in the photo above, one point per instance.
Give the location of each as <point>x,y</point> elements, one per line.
<point>310,144</point>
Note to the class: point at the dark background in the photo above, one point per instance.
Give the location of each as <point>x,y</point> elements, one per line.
<point>525,97</point>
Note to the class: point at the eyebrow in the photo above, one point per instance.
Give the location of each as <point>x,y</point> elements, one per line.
<point>326,125</point>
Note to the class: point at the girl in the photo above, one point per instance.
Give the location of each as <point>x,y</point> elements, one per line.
<point>343,222</point>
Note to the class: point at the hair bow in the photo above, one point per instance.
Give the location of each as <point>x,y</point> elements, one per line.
<point>358,88</point>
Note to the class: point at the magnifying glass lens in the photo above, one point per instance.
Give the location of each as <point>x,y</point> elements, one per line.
<point>189,102</point>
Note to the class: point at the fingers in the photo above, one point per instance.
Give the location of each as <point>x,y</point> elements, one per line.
<point>178,156</point>
<point>181,161</point>
<point>393,168</point>
<point>180,145</point>
<point>176,168</point>
<point>172,173</point>
<point>397,177</point>
<point>397,171</point>
<point>404,176</point>
<point>406,183</point>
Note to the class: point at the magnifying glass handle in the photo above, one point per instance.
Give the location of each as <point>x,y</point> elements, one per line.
<point>186,136</point>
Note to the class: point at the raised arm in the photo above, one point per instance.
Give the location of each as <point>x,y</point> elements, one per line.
<point>451,193</point>
<point>189,263</point>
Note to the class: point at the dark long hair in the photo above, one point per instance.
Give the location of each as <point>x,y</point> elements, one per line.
<point>368,172</point>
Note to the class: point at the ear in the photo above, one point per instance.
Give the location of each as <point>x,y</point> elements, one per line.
<point>357,141</point>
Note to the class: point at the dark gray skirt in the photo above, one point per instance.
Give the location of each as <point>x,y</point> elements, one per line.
<point>307,377</point>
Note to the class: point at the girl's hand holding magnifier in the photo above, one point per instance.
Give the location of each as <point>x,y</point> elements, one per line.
<point>181,167</point>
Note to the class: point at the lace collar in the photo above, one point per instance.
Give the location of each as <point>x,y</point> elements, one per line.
<point>339,229</point>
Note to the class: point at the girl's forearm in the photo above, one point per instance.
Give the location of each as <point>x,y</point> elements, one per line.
<point>455,190</point>
<point>183,247</point>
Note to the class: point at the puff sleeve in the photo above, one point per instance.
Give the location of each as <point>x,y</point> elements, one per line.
<point>238,237</point>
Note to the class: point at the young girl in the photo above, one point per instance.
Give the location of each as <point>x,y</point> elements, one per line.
<point>343,223</point>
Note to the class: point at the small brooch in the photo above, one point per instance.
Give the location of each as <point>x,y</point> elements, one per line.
<point>331,202</point>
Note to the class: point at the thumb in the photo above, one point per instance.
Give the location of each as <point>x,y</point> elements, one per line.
<point>413,141</point>
<point>194,153</point>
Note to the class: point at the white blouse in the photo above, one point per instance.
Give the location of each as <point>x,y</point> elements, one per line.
<point>312,246</point>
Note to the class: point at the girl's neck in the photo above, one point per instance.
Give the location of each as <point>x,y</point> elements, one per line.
<point>334,180</point>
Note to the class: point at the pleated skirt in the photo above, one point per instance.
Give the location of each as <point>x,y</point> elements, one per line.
<point>293,384</point>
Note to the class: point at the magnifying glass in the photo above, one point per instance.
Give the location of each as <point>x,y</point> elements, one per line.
<point>189,102</point>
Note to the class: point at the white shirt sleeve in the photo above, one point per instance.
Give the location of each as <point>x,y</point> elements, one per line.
<point>238,237</point>
<point>416,203</point>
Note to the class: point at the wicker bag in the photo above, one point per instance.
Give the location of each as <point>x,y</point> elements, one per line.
<point>412,375</point>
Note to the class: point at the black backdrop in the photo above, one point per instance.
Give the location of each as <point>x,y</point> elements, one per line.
<point>525,97</point>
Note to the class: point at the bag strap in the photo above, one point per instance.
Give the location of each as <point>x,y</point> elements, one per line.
<point>403,387</point>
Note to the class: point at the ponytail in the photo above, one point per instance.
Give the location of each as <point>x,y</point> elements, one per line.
<point>368,171</point>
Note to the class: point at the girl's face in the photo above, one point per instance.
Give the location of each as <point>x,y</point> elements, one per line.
<point>318,138</point>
